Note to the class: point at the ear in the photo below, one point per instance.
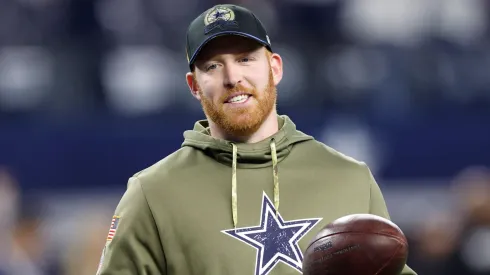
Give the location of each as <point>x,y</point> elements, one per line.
<point>276,67</point>
<point>192,83</point>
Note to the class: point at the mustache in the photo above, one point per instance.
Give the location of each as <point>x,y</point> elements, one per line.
<point>237,89</point>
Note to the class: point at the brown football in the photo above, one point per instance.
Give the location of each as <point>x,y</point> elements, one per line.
<point>359,244</point>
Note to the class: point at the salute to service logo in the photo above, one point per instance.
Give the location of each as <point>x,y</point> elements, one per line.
<point>219,17</point>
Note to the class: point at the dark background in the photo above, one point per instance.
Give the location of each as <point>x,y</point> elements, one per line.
<point>93,91</point>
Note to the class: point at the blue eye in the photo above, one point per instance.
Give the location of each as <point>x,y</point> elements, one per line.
<point>245,59</point>
<point>211,67</point>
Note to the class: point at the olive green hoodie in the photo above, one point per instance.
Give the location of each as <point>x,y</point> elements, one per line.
<point>218,208</point>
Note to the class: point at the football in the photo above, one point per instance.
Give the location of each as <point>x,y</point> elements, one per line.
<point>358,244</point>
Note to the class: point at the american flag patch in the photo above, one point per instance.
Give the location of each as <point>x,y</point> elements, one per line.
<point>112,230</point>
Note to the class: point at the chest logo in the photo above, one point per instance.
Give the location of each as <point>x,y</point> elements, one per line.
<point>275,239</point>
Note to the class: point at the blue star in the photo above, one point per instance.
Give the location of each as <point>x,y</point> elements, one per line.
<point>217,15</point>
<point>276,240</point>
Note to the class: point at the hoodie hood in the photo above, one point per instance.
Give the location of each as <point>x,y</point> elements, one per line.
<point>249,155</point>
<point>268,152</point>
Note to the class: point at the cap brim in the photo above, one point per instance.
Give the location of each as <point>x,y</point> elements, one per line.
<point>192,59</point>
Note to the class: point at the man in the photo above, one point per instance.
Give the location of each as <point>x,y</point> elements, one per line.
<point>247,191</point>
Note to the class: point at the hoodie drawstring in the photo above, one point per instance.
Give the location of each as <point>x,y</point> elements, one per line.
<point>275,174</point>
<point>234,199</point>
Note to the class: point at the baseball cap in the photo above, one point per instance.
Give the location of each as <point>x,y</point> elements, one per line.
<point>222,20</point>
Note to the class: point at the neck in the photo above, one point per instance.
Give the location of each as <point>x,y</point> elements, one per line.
<point>269,127</point>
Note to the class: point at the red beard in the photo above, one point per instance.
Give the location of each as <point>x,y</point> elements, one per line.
<point>242,121</point>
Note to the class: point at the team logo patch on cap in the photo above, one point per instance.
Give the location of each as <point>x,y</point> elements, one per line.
<point>113,229</point>
<point>219,17</point>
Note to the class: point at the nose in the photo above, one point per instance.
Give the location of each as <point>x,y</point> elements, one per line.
<point>232,76</point>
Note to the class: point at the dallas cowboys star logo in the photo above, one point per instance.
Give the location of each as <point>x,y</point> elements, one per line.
<point>276,240</point>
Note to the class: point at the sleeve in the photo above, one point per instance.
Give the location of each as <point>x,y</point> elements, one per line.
<point>378,207</point>
<point>133,245</point>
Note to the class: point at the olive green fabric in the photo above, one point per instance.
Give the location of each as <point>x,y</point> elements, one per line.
<point>203,209</point>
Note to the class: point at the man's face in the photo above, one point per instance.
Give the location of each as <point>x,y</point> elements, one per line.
<point>235,83</point>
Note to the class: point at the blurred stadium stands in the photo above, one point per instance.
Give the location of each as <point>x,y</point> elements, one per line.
<point>93,91</point>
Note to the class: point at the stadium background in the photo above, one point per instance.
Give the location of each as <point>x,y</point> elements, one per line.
<point>93,91</point>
